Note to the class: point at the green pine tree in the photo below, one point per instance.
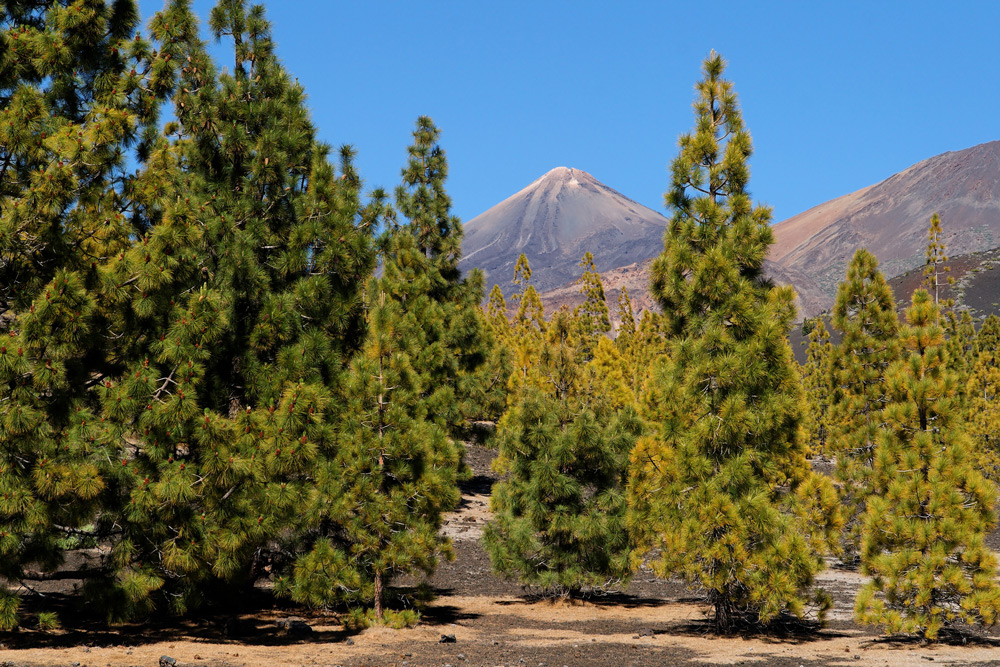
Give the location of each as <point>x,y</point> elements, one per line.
<point>242,303</point>
<point>79,96</point>
<point>924,528</point>
<point>485,390</point>
<point>718,489</point>
<point>559,511</point>
<point>865,314</point>
<point>377,503</point>
<point>442,306</point>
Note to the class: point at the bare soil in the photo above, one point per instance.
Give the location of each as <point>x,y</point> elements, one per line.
<point>493,622</point>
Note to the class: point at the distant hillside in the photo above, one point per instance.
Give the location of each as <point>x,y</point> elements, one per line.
<point>568,212</point>
<point>891,218</point>
<point>976,289</point>
<point>636,276</point>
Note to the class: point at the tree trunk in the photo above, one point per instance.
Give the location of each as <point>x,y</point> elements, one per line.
<point>724,614</point>
<point>378,597</point>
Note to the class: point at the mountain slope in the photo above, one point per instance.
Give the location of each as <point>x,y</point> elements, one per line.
<point>568,212</point>
<point>554,221</point>
<point>891,218</point>
<point>635,277</point>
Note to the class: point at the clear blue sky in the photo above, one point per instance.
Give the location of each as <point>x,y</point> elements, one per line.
<point>837,95</point>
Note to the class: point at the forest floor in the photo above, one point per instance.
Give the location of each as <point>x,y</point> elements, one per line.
<point>489,621</point>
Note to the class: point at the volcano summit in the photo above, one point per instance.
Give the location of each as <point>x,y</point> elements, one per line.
<point>554,221</point>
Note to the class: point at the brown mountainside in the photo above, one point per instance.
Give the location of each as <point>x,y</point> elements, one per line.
<point>891,218</point>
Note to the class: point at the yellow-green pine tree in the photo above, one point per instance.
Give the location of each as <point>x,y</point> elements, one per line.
<point>960,333</point>
<point>865,314</point>
<point>923,540</point>
<point>639,346</point>
<point>528,328</point>
<point>626,317</point>
<point>592,315</point>
<point>983,400</point>
<point>935,268</point>
<point>716,489</point>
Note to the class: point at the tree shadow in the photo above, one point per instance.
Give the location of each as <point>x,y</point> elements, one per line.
<point>783,630</point>
<point>480,485</point>
<point>947,637</point>
<point>445,615</point>
<point>252,619</point>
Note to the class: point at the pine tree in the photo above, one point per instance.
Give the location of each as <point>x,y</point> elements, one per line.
<point>530,312</point>
<point>378,502</point>
<point>646,353</point>
<point>592,314</point>
<point>486,390</point>
<point>865,314</point>
<point>934,267</point>
<point>528,329</point>
<point>818,390</point>
<point>559,511</point>
<point>718,488</point>
<point>959,329</point>
<point>626,342</point>
<point>960,333</point>
<point>244,298</point>
<point>604,379</point>
<point>924,529</point>
<point>626,317</point>
<point>443,307</point>
<point>79,98</point>
<point>604,373</point>
<point>496,312</point>
<point>983,401</point>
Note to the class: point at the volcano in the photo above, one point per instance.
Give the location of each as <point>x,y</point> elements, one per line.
<point>554,221</point>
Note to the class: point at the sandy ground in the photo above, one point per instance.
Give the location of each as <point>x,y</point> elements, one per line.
<point>493,623</point>
<point>512,631</point>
